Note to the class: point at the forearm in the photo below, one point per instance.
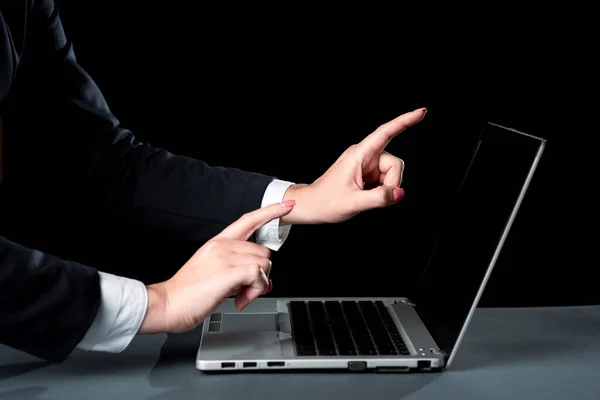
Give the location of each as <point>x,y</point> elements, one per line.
<point>180,196</point>
<point>69,136</point>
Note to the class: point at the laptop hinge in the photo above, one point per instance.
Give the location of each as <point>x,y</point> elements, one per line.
<point>405,300</point>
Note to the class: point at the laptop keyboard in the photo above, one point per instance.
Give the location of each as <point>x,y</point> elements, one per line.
<point>344,328</point>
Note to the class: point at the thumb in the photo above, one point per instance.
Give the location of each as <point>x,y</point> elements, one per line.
<point>379,197</point>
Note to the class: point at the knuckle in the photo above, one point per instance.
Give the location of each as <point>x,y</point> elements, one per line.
<point>265,263</point>
<point>211,246</point>
<point>261,250</point>
<point>398,162</point>
<point>256,270</point>
<point>381,127</point>
<point>353,149</point>
<point>257,260</point>
<point>246,217</point>
<point>266,252</point>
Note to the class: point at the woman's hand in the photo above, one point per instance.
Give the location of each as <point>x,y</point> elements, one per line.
<point>363,177</point>
<point>227,265</point>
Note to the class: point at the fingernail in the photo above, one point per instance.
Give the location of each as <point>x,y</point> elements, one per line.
<point>398,194</point>
<point>244,305</point>
<point>423,110</point>
<point>288,203</point>
<point>270,286</point>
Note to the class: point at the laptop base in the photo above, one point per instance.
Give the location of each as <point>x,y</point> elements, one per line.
<point>260,338</point>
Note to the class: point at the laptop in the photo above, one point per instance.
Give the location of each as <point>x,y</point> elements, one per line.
<point>421,332</point>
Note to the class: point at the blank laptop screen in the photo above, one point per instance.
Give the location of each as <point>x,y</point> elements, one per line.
<point>499,170</point>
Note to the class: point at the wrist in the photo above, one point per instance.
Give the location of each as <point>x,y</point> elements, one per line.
<point>154,320</point>
<point>303,211</point>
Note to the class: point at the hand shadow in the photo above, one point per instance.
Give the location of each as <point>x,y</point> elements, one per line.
<point>176,370</point>
<point>176,364</point>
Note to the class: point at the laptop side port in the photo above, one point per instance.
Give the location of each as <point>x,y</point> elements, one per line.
<point>357,365</point>
<point>424,364</point>
<point>249,364</point>
<point>275,363</point>
<point>228,365</point>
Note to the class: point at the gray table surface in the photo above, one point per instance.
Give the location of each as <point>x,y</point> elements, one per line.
<point>521,353</point>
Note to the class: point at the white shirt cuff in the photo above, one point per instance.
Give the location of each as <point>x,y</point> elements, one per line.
<point>272,235</point>
<point>122,310</point>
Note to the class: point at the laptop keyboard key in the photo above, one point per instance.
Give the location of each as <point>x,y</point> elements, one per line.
<point>392,329</point>
<point>322,332</point>
<point>358,329</point>
<point>379,333</point>
<point>303,337</point>
<point>339,328</point>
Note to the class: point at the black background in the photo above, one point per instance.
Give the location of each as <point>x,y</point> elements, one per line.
<point>285,91</point>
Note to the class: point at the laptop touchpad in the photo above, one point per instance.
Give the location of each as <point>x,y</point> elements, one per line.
<point>247,322</point>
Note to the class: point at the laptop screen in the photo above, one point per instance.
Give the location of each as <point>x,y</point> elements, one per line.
<point>491,191</point>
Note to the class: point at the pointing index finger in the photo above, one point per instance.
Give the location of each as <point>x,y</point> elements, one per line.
<point>247,224</point>
<point>377,140</point>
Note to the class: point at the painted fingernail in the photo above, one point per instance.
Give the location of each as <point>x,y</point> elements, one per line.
<point>270,286</point>
<point>398,194</point>
<point>288,203</point>
<point>423,110</point>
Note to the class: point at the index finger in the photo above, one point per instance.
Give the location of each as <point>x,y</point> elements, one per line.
<point>245,226</point>
<point>377,140</point>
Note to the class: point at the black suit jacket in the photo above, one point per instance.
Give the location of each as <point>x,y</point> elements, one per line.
<point>53,110</point>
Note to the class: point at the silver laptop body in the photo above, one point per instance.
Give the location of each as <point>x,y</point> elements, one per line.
<point>421,332</point>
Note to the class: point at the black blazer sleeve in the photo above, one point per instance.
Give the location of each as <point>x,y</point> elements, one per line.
<point>46,304</point>
<point>56,112</point>
<point>82,145</point>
